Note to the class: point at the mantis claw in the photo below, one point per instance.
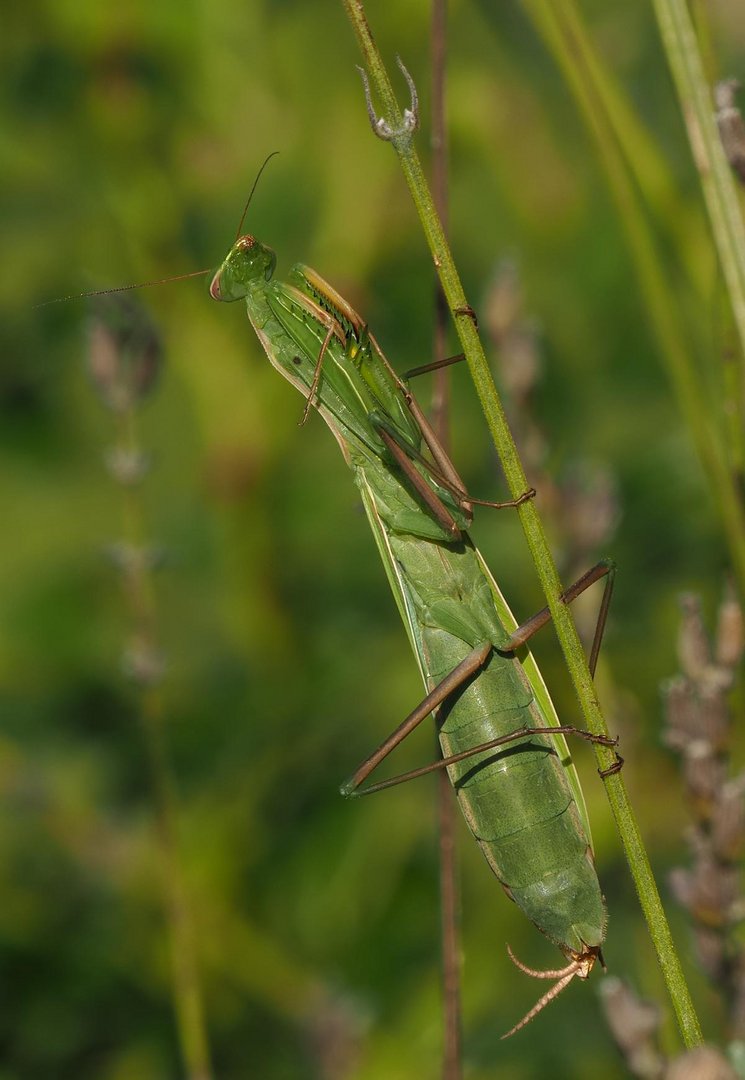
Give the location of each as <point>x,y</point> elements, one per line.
<point>615,767</point>
<point>468,311</point>
<point>379,124</point>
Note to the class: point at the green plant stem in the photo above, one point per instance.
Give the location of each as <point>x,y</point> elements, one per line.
<point>717,182</point>
<point>534,532</point>
<point>700,12</point>
<point>609,114</point>
<point>558,21</point>
<point>185,985</point>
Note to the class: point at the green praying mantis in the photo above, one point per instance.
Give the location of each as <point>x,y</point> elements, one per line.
<point>502,742</point>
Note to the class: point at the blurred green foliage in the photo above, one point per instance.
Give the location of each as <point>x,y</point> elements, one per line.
<point>130,136</point>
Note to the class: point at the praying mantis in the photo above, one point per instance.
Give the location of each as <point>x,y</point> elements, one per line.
<point>501,739</point>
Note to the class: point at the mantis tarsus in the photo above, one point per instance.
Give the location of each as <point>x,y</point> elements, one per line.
<point>501,739</point>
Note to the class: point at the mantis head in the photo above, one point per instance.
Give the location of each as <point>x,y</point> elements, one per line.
<point>248,264</point>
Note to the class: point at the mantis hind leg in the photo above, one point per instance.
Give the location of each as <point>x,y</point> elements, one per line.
<point>457,677</point>
<point>448,474</point>
<point>349,789</point>
<point>465,671</point>
<point>606,568</point>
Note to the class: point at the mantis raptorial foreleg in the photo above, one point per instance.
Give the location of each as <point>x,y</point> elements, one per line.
<point>429,497</point>
<point>467,670</point>
<point>317,372</point>
<point>445,473</point>
<point>404,454</point>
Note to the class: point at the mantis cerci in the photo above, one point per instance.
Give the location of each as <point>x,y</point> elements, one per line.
<point>501,739</point>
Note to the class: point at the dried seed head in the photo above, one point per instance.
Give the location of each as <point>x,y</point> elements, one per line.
<point>704,776</point>
<point>515,337</point>
<point>728,821</point>
<point>680,713</point>
<point>503,303</point>
<point>714,717</point>
<point>133,560</point>
<point>737,1007</point>
<point>681,886</point>
<point>520,361</point>
<point>634,1025</point>
<point>143,664</point>
<point>708,891</point>
<point>124,352</point>
<point>590,505</point>
<point>699,726</point>
<point>730,639</point>
<point>126,465</point>
<point>698,721</point>
<point>694,651</point>
<point>711,952</point>
<point>401,135</point>
<point>725,93</point>
<point>730,124</point>
<point>703,1063</point>
<point>335,1027</point>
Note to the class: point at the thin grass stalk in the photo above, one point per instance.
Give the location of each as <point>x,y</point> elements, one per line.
<point>124,358</point>
<point>593,84</point>
<point>185,987</point>
<point>597,91</point>
<point>562,30</point>
<point>533,529</point>
<point>439,145</point>
<point>700,12</point>
<point>187,992</point>
<point>717,183</point>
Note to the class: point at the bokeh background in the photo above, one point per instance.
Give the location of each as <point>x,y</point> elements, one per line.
<point>131,135</point>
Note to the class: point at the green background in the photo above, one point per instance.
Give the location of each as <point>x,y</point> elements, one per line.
<point>130,137</point>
